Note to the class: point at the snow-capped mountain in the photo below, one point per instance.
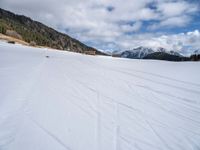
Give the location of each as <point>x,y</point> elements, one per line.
<point>197,52</point>
<point>141,52</point>
<point>163,50</point>
<point>173,53</point>
<point>137,53</point>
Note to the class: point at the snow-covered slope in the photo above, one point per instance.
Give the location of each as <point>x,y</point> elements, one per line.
<point>76,102</point>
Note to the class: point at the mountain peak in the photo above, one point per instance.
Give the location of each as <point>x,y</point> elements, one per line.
<point>197,52</point>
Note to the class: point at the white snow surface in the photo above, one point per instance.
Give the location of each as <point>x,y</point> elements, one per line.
<point>72,101</point>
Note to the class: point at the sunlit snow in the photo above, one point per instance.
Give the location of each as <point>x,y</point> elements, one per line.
<point>70,101</point>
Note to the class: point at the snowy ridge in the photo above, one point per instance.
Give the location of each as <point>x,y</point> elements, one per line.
<point>75,102</point>
<point>141,52</point>
<point>197,52</point>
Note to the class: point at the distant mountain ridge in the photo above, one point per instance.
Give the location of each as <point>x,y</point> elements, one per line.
<point>141,52</point>
<point>166,56</point>
<point>197,52</point>
<point>31,31</point>
<point>155,53</point>
<point>137,53</point>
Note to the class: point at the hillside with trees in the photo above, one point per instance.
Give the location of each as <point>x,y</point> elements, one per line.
<point>31,31</point>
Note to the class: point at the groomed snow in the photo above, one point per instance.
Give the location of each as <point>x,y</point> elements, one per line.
<point>71,101</point>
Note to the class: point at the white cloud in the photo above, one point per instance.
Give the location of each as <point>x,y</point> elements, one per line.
<point>177,42</point>
<point>175,21</point>
<point>131,28</point>
<point>180,21</point>
<point>172,9</point>
<point>91,21</point>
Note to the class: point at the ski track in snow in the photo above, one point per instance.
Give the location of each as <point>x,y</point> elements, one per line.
<point>75,102</point>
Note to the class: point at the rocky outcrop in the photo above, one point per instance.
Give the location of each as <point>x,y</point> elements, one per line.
<point>13,34</point>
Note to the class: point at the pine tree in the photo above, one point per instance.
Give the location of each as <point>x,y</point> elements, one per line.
<point>2,30</point>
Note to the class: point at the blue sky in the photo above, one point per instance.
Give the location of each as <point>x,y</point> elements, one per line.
<point>119,24</point>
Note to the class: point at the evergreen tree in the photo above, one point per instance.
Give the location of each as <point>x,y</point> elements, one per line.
<point>2,30</point>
